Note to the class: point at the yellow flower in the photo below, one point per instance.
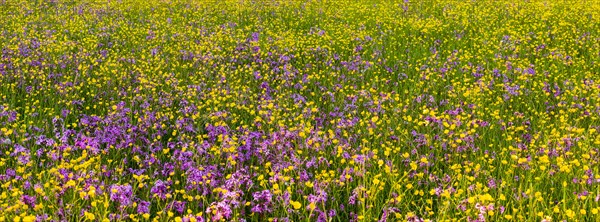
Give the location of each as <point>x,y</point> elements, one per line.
<point>309,184</point>
<point>374,119</point>
<point>570,213</point>
<point>296,204</point>
<point>89,216</point>
<point>312,206</point>
<point>432,192</point>
<point>71,183</point>
<point>92,193</point>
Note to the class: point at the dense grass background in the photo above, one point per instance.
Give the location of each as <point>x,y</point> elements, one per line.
<point>299,110</point>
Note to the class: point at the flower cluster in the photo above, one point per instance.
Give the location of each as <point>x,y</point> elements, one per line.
<point>299,110</point>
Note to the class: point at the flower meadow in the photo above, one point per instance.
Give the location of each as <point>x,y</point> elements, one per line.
<point>435,110</point>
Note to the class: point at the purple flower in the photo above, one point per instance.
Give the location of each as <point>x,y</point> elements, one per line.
<point>122,194</point>
<point>28,200</point>
<point>179,206</point>
<point>159,189</point>
<point>143,207</point>
<point>255,36</point>
<point>262,201</point>
<point>492,183</point>
<point>219,210</point>
<point>513,90</point>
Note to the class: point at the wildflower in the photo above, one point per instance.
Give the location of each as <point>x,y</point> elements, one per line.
<point>89,216</point>
<point>296,205</point>
<point>122,194</point>
<point>262,201</point>
<point>159,189</point>
<point>312,206</point>
<point>222,211</point>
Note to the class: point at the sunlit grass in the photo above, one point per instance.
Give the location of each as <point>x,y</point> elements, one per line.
<point>299,110</point>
